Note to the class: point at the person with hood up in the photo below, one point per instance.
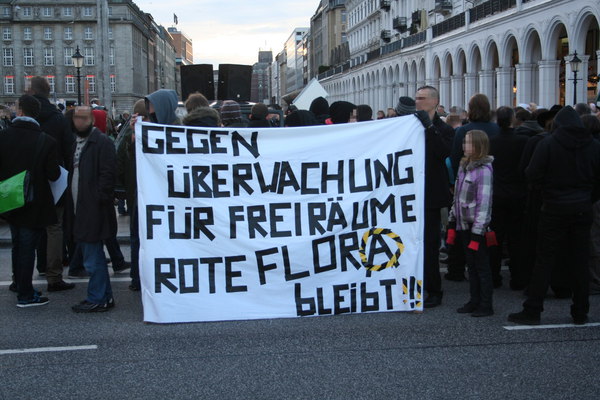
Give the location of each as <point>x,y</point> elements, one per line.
<point>567,167</point>
<point>320,108</point>
<point>161,106</point>
<point>528,124</point>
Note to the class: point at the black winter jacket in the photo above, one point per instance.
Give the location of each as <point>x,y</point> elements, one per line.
<point>438,142</point>
<point>53,122</point>
<point>509,180</point>
<point>96,219</point>
<point>567,167</point>
<point>17,150</point>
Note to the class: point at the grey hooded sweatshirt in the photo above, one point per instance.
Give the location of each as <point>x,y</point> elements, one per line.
<point>164,102</point>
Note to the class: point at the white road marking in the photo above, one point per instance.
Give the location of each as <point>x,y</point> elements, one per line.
<point>48,349</point>
<point>554,326</point>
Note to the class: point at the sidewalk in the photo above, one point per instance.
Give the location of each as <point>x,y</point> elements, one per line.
<point>122,232</point>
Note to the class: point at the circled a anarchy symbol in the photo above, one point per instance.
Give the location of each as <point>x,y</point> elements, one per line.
<point>393,261</point>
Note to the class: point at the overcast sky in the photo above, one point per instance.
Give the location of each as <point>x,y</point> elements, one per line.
<point>232,31</point>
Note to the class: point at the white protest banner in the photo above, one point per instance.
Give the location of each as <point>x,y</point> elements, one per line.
<point>280,222</point>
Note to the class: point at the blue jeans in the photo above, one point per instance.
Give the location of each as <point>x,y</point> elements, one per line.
<point>24,243</point>
<point>99,289</point>
<point>114,251</point>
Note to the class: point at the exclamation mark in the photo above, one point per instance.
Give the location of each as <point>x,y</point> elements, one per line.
<point>405,288</point>
<point>412,291</point>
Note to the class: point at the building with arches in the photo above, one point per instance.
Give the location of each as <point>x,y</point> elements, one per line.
<point>514,51</point>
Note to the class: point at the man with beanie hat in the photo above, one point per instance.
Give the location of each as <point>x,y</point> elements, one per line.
<point>258,116</point>
<point>231,115</point>
<point>566,165</point>
<point>438,139</point>
<point>405,106</point>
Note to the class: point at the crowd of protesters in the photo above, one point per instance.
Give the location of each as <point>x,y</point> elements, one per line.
<point>518,186</point>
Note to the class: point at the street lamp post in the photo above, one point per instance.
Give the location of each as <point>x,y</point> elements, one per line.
<point>575,63</point>
<point>78,61</point>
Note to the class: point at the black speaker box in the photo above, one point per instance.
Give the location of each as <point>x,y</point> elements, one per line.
<point>234,82</point>
<point>197,78</point>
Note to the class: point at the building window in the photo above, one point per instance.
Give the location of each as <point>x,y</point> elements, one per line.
<point>88,33</point>
<point>88,54</point>
<point>113,84</point>
<point>52,83</point>
<point>111,55</point>
<point>91,79</point>
<point>9,84</point>
<point>8,57</point>
<point>87,11</point>
<point>48,56</point>
<point>110,11</point>
<point>69,84</point>
<point>68,56</point>
<point>68,33</point>
<point>47,33</point>
<point>47,12</point>
<point>28,82</point>
<point>27,56</point>
<point>6,11</point>
<point>27,11</point>
<point>67,11</point>
<point>110,35</point>
<point>26,33</point>
<point>6,34</point>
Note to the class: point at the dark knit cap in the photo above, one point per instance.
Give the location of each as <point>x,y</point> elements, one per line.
<point>230,110</point>
<point>405,106</point>
<point>319,106</point>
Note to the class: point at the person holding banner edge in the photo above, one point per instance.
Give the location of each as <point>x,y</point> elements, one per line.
<point>438,143</point>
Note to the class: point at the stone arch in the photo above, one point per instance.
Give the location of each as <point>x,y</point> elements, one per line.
<point>436,72</point>
<point>491,58</point>
<point>458,79</point>
<point>446,64</point>
<point>404,81</point>
<point>556,29</point>
<point>586,41</point>
<point>421,73</point>
<point>528,75</point>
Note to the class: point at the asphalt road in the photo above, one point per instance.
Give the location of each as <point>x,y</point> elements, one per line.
<point>437,354</point>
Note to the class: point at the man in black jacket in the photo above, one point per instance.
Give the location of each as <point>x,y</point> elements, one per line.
<point>24,146</point>
<point>91,212</point>
<point>567,166</point>
<point>438,141</point>
<point>53,122</point>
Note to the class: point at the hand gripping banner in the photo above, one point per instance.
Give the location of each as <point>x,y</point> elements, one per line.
<point>280,222</point>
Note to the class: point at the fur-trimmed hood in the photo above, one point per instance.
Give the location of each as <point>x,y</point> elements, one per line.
<point>202,116</point>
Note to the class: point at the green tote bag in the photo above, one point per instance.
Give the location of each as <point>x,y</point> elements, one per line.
<point>12,192</point>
